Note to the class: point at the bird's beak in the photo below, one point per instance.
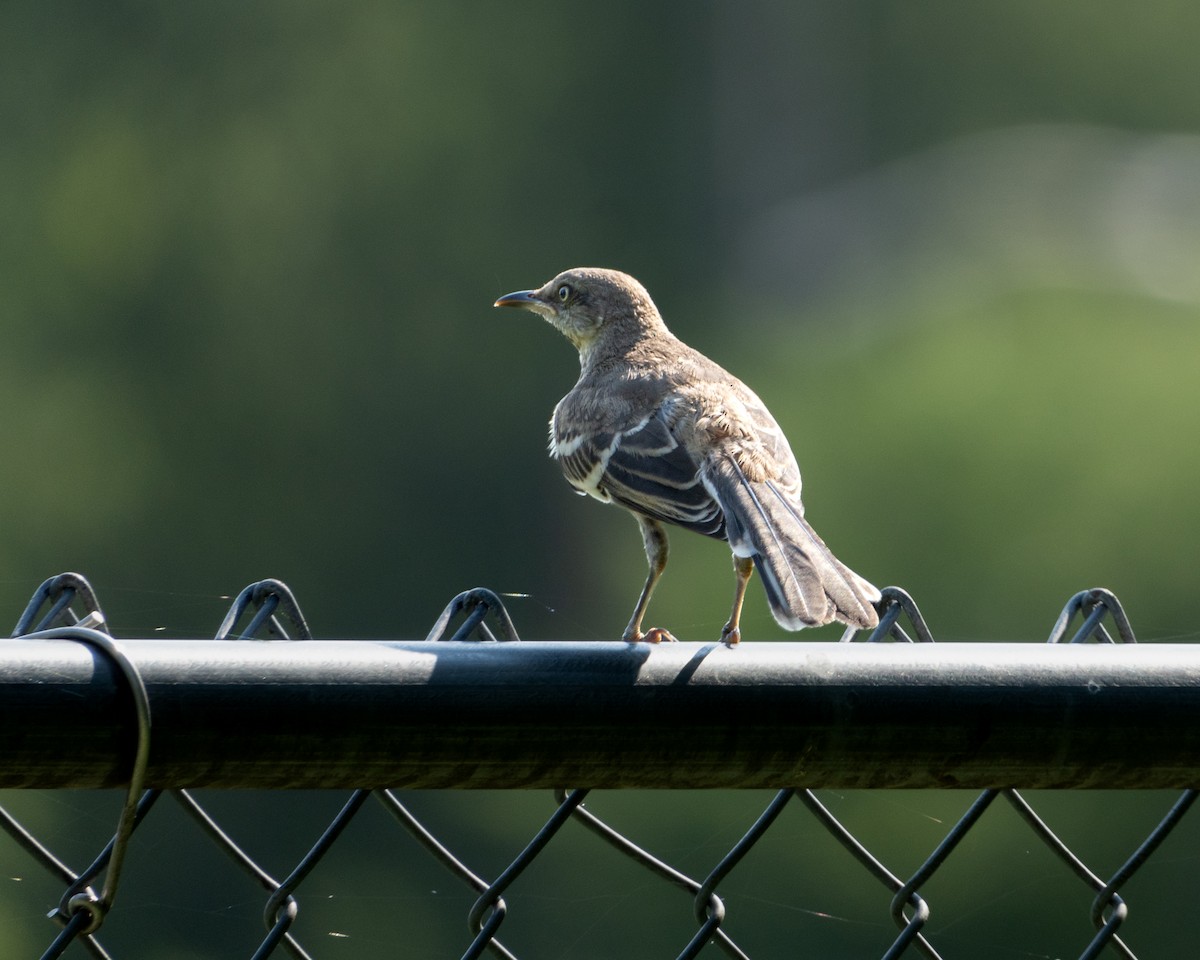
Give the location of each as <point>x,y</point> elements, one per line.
<point>522,298</point>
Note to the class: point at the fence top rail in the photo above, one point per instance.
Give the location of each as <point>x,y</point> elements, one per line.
<point>354,713</point>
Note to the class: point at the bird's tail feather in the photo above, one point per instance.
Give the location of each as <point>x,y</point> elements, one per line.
<point>806,584</point>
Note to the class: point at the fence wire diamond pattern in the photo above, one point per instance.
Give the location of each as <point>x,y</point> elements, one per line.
<point>66,607</point>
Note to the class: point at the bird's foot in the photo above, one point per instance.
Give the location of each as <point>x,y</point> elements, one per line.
<point>731,634</point>
<point>653,635</point>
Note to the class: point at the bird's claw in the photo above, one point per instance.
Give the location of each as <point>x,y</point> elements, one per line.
<point>731,635</point>
<point>653,635</point>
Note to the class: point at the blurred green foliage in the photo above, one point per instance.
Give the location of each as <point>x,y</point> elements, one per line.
<point>246,266</point>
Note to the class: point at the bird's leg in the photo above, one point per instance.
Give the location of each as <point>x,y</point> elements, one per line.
<point>731,633</point>
<point>655,539</point>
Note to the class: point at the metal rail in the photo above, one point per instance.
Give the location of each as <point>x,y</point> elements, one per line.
<point>348,713</point>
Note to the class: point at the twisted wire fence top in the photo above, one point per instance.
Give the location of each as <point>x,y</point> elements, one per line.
<point>488,694</point>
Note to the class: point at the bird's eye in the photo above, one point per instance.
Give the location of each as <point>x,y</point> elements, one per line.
<point>564,292</point>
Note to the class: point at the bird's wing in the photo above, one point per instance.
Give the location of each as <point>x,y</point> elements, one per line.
<point>643,467</point>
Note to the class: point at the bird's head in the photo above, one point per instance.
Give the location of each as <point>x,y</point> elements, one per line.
<point>590,305</point>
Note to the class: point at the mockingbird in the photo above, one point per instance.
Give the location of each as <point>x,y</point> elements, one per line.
<point>662,430</point>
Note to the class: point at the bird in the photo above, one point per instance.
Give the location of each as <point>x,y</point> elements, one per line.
<point>660,429</point>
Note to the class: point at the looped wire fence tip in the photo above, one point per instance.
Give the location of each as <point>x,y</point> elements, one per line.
<point>269,600</point>
<point>475,606</point>
<point>55,596</point>
<point>1092,605</point>
<point>894,602</point>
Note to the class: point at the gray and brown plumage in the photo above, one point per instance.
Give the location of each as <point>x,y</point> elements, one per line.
<point>660,429</point>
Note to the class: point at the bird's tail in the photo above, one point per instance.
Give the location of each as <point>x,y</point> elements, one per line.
<point>806,584</point>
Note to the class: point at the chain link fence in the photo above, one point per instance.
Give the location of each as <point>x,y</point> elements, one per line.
<point>698,893</point>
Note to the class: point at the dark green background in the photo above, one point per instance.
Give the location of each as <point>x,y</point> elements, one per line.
<point>247,260</point>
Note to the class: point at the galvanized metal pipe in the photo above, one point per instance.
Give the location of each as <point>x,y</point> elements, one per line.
<point>308,714</point>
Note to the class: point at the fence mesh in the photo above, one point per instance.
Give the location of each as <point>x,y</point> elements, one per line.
<point>66,607</point>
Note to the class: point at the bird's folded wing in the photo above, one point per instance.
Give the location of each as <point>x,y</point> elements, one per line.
<point>644,468</point>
